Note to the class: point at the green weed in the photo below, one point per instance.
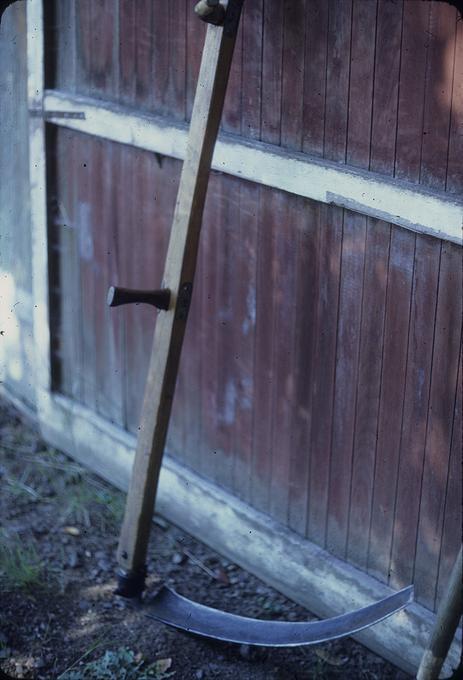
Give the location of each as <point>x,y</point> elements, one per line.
<point>121,664</point>
<point>20,566</point>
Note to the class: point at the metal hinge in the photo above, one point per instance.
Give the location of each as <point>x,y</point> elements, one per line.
<point>48,115</point>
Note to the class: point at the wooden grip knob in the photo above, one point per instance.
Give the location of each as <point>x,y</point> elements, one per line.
<point>124,296</point>
<point>210,11</point>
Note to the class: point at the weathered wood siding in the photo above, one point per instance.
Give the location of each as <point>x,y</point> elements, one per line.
<point>319,376</point>
<point>16,339</point>
<point>376,84</point>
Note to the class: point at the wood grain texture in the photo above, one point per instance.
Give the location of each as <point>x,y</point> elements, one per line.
<point>390,416</point>
<point>453,510</point>
<point>368,389</point>
<point>438,96</point>
<point>337,79</point>
<point>386,87</point>
<point>415,417</point>
<point>362,60</point>
<point>454,164</point>
<point>440,424</point>
<point>323,377</point>
<point>346,379</point>
<point>316,55</point>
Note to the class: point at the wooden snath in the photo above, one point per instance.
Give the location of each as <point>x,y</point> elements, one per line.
<point>178,279</point>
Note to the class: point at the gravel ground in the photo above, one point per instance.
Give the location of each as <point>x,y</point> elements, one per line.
<point>60,619</point>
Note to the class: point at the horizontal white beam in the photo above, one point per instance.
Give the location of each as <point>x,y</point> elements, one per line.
<point>294,566</point>
<point>402,203</point>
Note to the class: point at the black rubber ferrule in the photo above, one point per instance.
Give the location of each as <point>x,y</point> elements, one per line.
<point>130,583</point>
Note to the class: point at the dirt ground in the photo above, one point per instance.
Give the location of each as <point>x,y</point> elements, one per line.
<point>60,619</point>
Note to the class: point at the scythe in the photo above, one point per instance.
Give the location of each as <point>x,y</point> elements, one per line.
<point>174,300</point>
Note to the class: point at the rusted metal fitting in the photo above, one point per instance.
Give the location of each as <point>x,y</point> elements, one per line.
<point>211,11</point>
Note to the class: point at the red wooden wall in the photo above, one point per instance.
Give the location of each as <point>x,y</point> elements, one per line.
<point>319,380</point>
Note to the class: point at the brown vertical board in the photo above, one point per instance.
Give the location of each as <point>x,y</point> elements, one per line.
<point>386,86</point>
<point>417,381</point>
<point>196,32</point>
<point>232,111</point>
<point>66,189</point>
<point>176,96</point>
<point>337,79</point>
<point>87,152</point>
<point>159,39</point>
<point>83,42</point>
<point>228,287</point>
<point>346,378</point>
<point>438,95</point>
<point>127,51</point>
<point>362,66</point>
<point>244,331</point>
<point>210,310</point>
<point>368,388</point>
<point>293,74</point>
<point>396,327</point>
<point>329,255</point>
<point>306,224</point>
<point>415,40</point>
<point>271,72</point>
<point>316,45</point>
<point>65,56</point>
<point>103,73</point>
<point>144,31</point>
<point>439,431</point>
<point>451,534</point>
<point>252,27</point>
<point>454,165</point>
<point>264,378</point>
<point>284,297</point>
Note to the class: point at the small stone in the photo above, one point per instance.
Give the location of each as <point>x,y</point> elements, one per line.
<point>179,558</point>
<point>104,564</point>
<point>73,560</point>
<point>199,675</point>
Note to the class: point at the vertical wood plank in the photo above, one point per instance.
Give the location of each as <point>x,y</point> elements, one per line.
<point>83,47</point>
<point>337,79</point>
<point>272,72</point>
<point>415,39</point>
<point>417,382</point>
<point>307,274</point>
<point>386,85</point>
<point>252,28</point>
<point>127,51</point>
<point>87,157</point>
<point>65,57</point>
<point>451,534</point>
<point>439,431</point>
<point>265,337</point>
<point>284,294</point>
<point>330,242</point>
<point>346,376</point>
<point>244,330</point>
<point>177,59</point>
<point>316,45</point>
<point>144,31</point>
<point>368,390</point>
<point>455,166</point>
<point>232,111</point>
<point>400,276</point>
<point>438,95</point>
<point>210,312</point>
<point>293,74</point>
<point>102,40</point>
<point>159,41</point>
<point>228,287</point>
<point>362,61</point>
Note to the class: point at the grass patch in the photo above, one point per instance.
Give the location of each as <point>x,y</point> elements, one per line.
<point>20,566</point>
<point>122,664</point>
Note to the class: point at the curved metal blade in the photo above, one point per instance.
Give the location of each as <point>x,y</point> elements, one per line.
<point>175,610</point>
